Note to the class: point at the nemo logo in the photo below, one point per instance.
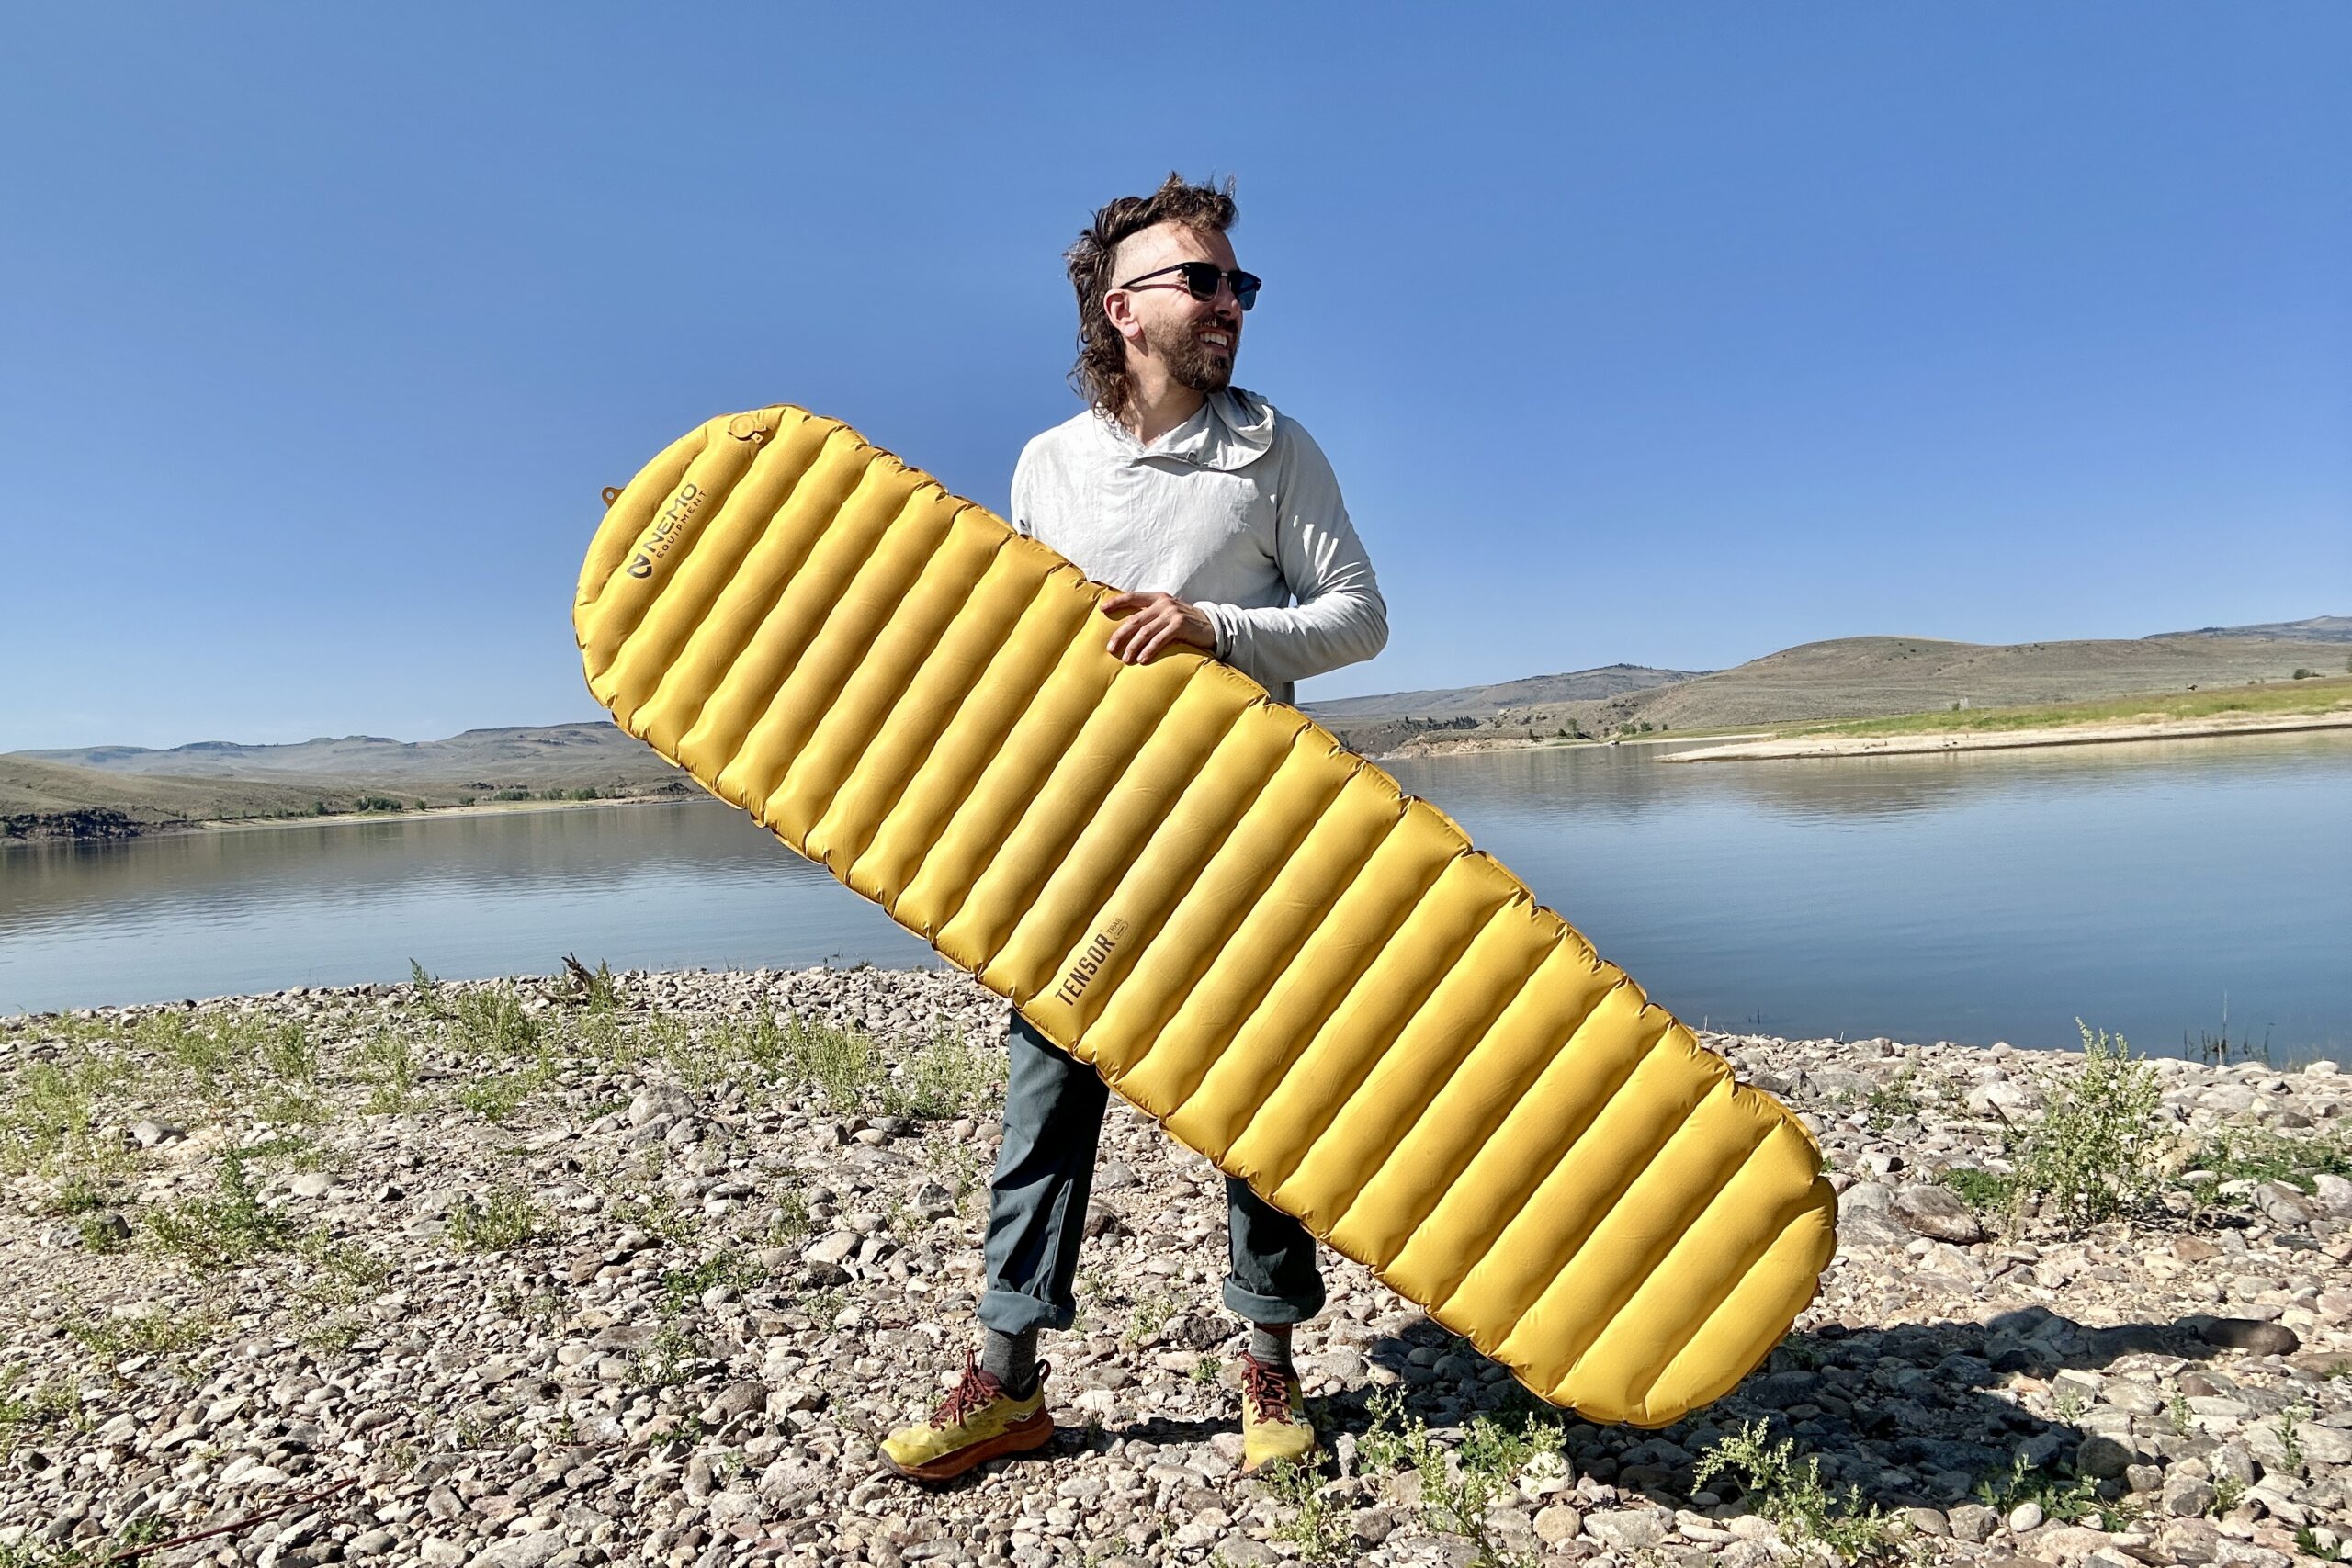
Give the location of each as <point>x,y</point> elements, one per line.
<point>666,531</point>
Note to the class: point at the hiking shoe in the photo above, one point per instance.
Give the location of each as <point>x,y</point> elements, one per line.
<point>1274,1417</point>
<point>977,1422</point>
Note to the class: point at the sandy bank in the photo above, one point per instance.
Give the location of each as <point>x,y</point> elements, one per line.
<point>2004,740</point>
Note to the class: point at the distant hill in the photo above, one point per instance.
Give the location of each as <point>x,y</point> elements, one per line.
<point>1864,677</point>
<point>1484,702</point>
<point>2319,629</point>
<point>116,790</point>
<point>541,756</point>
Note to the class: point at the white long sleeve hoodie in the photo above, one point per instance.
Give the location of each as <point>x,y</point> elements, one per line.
<point>1236,510</point>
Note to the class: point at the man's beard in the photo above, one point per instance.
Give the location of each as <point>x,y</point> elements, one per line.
<point>1191,363</point>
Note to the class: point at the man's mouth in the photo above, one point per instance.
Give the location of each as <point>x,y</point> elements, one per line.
<point>1218,340</point>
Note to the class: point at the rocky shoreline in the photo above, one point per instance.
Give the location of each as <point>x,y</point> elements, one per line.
<point>636,1268</point>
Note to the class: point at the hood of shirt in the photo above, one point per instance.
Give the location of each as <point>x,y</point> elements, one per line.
<point>1230,431</point>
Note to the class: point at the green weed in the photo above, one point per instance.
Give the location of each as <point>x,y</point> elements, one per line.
<point>386,1063</point>
<point>1457,1489</point>
<point>502,1219</point>
<point>1795,1499</point>
<point>1316,1526</point>
<point>682,1289</point>
<point>26,1416</point>
<point>2239,1153</point>
<point>111,1339</point>
<point>49,1119</point>
<point>224,1230</point>
<point>2091,1155</point>
<point>947,1077</point>
<point>2068,1497</point>
<point>1980,1190</point>
<point>492,1021</point>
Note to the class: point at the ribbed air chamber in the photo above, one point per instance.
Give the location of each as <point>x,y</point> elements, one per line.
<point>1305,973</point>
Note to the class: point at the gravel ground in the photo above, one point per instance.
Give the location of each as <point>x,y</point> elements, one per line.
<point>502,1274</point>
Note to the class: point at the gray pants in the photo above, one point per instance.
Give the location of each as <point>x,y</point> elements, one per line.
<point>1053,1122</point>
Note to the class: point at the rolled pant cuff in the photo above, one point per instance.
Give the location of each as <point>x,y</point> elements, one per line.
<point>1008,1312</point>
<point>1274,1311</point>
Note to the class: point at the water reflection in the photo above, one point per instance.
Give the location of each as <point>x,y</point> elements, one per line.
<point>1993,895</point>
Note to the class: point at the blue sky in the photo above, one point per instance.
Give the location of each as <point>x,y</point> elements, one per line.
<point>1668,333</point>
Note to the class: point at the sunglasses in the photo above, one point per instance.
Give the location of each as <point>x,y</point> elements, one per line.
<point>1201,277</point>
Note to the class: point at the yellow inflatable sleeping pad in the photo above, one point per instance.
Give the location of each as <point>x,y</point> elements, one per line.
<point>1306,974</point>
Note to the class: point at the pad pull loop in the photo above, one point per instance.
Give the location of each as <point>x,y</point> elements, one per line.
<point>612,494</point>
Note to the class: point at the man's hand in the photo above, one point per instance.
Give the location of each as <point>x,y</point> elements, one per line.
<point>1149,622</point>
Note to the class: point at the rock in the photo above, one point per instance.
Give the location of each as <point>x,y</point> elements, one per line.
<point>1970,1522</point>
<point>374,1543</point>
<point>1626,1530</point>
<point>2023,1517</point>
<point>2232,1460</point>
<point>1556,1523</point>
<point>152,1135</point>
<point>311,1184</point>
<point>2250,1334</point>
<point>2067,1543</point>
<point>522,1550</point>
<point>834,1249</point>
<point>2104,1457</point>
<point>2191,1542</point>
<point>1870,1228</point>
<point>1937,1211</point>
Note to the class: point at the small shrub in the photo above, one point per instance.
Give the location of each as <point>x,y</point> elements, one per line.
<point>947,1077</point>
<point>2240,1153</point>
<point>840,1064</point>
<point>2059,1497</point>
<point>2091,1155</point>
<point>492,1021</point>
<point>225,1230</point>
<point>1980,1190</point>
<point>386,1063</point>
<point>1795,1498</point>
<point>682,1289</point>
<point>426,990</point>
<point>1316,1526</point>
<point>1457,1489</point>
<point>110,1339</point>
<point>50,1116</point>
<point>28,1413</point>
<point>495,1097</point>
<point>503,1218</point>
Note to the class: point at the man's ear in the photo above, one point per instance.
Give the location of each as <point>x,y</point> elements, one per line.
<point>1119,305</point>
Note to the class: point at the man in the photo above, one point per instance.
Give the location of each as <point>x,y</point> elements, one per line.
<point>1214,513</point>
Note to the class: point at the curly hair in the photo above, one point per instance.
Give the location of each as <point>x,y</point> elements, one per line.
<point>1101,374</point>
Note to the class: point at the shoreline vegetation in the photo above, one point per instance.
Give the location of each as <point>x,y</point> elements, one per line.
<point>596,1267</point>
<point>104,824</point>
<point>2262,708</point>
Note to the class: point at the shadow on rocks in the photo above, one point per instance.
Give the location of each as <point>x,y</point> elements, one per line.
<point>1904,1412</point>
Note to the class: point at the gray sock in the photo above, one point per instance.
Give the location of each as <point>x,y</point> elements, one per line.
<point>1270,1345</point>
<point>1012,1360</point>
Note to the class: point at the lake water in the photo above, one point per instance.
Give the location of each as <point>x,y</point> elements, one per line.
<point>2146,888</point>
